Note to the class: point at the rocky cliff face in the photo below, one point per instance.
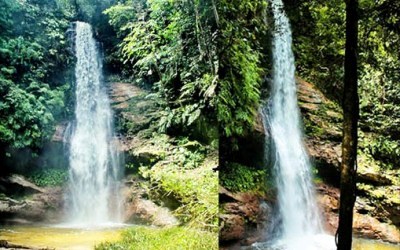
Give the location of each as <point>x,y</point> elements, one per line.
<point>377,209</point>
<point>164,172</point>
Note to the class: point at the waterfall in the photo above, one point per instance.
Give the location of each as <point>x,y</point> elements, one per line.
<point>298,211</point>
<point>93,197</point>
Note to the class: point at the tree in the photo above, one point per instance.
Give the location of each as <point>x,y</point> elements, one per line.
<point>33,50</point>
<point>171,45</point>
<point>241,68</point>
<point>350,119</point>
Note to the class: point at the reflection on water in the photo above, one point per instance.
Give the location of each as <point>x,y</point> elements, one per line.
<point>58,238</point>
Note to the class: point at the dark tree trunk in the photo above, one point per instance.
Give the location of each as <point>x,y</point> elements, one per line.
<point>350,118</point>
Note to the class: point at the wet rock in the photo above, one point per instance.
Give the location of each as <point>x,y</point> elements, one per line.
<point>31,203</point>
<point>18,184</point>
<point>147,212</point>
<point>122,92</point>
<point>139,209</point>
<point>328,200</point>
<point>144,151</point>
<point>135,110</point>
<point>327,157</point>
<point>370,227</point>
<point>232,227</point>
<point>364,224</point>
<point>307,93</point>
<point>328,152</point>
<point>244,216</point>
<point>9,205</point>
<point>58,135</point>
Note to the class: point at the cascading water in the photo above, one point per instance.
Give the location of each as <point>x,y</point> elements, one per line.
<point>93,198</point>
<point>299,215</point>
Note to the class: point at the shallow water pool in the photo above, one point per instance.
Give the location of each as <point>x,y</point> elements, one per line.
<point>62,238</point>
<point>58,237</point>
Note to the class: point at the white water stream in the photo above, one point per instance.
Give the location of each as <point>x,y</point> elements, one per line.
<point>93,198</point>
<point>300,226</point>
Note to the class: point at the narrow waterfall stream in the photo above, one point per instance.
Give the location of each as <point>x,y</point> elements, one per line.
<point>297,205</point>
<point>298,211</point>
<point>93,197</point>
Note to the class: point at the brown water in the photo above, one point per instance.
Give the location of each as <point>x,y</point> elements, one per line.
<point>58,238</point>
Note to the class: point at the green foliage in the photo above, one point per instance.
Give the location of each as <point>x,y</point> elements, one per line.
<point>50,177</point>
<point>26,117</point>
<point>239,178</point>
<point>381,148</point>
<point>186,175</point>
<point>170,45</point>
<point>319,41</point>
<point>196,191</point>
<point>33,50</point>
<point>202,58</point>
<point>146,238</point>
<point>379,74</point>
<point>241,31</point>
<point>120,15</point>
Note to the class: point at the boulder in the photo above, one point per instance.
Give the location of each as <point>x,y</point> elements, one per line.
<point>139,209</point>
<point>244,217</point>
<point>369,227</point>
<point>145,211</point>
<point>232,227</point>
<point>364,224</point>
<point>18,184</point>
<point>31,203</point>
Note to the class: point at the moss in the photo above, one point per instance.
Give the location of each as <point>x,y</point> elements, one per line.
<point>240,178</point>
<point>385,195</point>
<point>195,190</point>
<point>49,177</point>
<point>322,120</point>
<point>183,180</point>
<point>312,129</point>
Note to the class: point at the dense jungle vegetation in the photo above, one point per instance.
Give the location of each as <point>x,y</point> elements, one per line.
<point>206,60</point>
<point>319,47</point>
<point>207,64</point>
<point>34,53</point>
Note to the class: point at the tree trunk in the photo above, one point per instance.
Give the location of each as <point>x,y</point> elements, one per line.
<point>350,118</point>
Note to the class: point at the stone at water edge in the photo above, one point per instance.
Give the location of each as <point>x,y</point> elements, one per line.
<point>244,218</point>
<point>364,225</point>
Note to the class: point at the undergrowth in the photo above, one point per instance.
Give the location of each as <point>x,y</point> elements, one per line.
<point>49,177</point>
<point>240,178</point>
<point>182,179</point>
<point>196,191</point>
<point>175,238</point>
